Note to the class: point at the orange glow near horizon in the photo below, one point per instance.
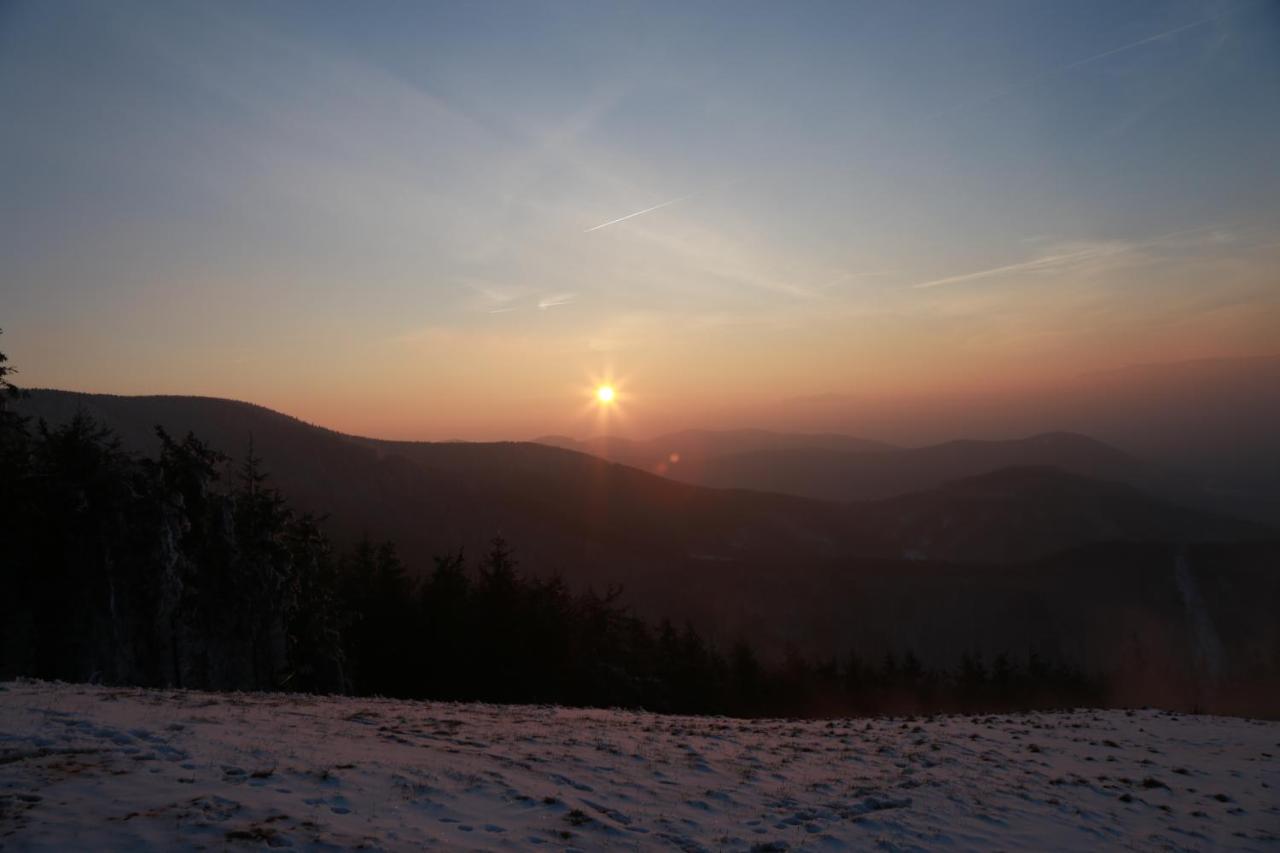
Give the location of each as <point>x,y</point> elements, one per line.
<point>360,246</point>
<point>605,399</point>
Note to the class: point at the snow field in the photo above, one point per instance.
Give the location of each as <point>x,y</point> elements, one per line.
<point>97,768</point>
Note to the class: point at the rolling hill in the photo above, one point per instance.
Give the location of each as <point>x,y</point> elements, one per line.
<point>1015,559</point>
<point>685,455</point>
<point>1029,512</point>
<point>1216,422</point>
<point>843,468</point>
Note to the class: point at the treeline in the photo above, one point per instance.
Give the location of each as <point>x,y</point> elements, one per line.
<point>185,571</point>
<point>495,634</point>
<point>142,571</point>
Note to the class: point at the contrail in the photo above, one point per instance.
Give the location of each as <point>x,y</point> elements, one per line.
<point>1140,42</point>
<point>1047,262</point>
<point>637,213</point>
<point>1068,258</point>
<point>1053,72</point>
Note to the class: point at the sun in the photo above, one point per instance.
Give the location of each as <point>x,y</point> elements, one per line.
<point>606,395</point>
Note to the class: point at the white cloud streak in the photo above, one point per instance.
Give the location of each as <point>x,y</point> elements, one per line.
<point>1095,251</point>
<point>1042,264</point>
<point>637,213</point>
<point>1062,69</point>
<point>555,299</point>
<point>1148,40</point>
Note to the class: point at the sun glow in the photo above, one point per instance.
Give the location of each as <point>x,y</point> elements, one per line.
<point>606,398</point>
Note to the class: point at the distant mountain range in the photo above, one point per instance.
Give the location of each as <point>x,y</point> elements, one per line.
<point>992,543</point>
<point>842,468</point>
<point>1216,422</point>
<point>684,455</point>
<point>1030,512</point>
<point>964,500</point>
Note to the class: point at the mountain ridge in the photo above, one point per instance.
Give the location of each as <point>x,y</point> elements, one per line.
<point>782,570</point>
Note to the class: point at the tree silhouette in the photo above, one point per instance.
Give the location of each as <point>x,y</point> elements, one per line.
<point>162,572</point>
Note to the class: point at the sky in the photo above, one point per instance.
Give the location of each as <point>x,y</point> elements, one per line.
<point>442,220</point>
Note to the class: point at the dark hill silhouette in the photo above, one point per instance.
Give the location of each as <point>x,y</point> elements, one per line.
<point>569,510</point>
<point>775,569</point>
<point>835,475</point>
<point>1214,421</point>
<point>684,455</point>
<point>595,521</point>
<point>1027,512</point>
<point>831,467</point>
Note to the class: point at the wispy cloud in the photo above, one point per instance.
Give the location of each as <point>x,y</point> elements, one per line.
<point>1044,263</point>
<point>555,299</point>
<point>490,293</point>
<point>637,213</point>
<point>1072,255</point>
<point>1139,43</point>
<point>493,299</point>
<point>1070,66</point>
<point>848,276</point>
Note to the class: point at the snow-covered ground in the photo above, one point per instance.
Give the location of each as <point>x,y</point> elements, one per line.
<point>93,768</point>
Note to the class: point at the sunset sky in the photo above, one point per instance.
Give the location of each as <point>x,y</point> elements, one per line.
<point>416,220</point>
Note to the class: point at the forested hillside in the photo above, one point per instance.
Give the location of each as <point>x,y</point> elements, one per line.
<point>176,565</point>
<point>187,570</point>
